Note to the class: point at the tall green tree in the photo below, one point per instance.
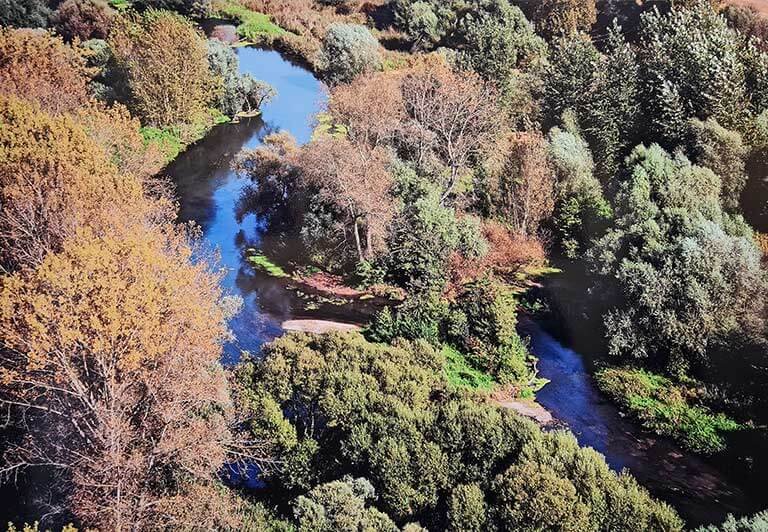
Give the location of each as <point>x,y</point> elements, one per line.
<point>680,273</point>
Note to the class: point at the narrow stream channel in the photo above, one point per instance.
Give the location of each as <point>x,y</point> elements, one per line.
<point>208,191</point>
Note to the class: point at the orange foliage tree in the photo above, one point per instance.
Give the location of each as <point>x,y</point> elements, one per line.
<point>110,364</point>
<point>53,179</point>
<point>39,67</point>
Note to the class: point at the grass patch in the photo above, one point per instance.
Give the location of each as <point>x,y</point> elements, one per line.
<point>167,139</point>
<point>255,27</point>
<point>260,261</point>
<point>172,140</point>
<point>667,408</point>
<point>120,5</point>
<point>461,375</point>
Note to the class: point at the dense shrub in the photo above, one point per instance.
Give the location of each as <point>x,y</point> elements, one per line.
<point>39,67</point>
<point>483,323</point>
<point>24,13</point>
<point>348,51</point>
<point>83,19</point>
<point>346,406</point>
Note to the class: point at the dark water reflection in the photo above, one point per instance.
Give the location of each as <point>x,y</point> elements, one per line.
<point>694,487</point>
<point>209,191</point>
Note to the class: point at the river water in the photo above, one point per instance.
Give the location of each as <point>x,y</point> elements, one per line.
<point>208,192</point>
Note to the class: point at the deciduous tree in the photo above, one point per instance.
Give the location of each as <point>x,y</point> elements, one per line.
<point>453,117</point>
<point>54,179</point>
<point>166,61</point>
<point>39,67</point>
<point>111,366</point>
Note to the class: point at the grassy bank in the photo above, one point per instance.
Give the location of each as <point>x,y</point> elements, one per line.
<point>667,408</point>
<point>172,140</point>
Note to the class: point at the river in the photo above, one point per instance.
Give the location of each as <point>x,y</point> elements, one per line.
<point>208,192</point>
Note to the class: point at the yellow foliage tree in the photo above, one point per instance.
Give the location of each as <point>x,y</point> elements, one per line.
<point>53,179</point>
<point>111,364</point>
<point>39,67</point>
<point>166,60</point>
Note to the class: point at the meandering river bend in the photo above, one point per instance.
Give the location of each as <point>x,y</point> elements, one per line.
<point>209,191</point>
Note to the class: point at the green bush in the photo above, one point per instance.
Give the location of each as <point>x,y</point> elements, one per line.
<point>667,408</point>
<point>348,50</point>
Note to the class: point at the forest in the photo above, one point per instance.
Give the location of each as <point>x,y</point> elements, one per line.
<point>464,169</point>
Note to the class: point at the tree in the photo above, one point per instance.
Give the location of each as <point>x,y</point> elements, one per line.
<point>422,236</point>
<point>370,109</point>
<point>454,117</point>
<point>611,117</point>
<point>750,523</point>
<point>564,17</point>
<point>421,23</point>
<point>580,209</point>
<point>341,505</point>
<point>690,67</point>
<point>569,78</point>
<point>239,92</point>
<point>502,47</point>
<point>356,180</point>
<point>166,61</point>
<point>53,180</point>
<point>83,19</point>
<point>39,67</point>
<point>680,273</point>
<point>484,320</point>
<point>111,366</point>
<point>520,189</point>
<point>348,50</point>
<point>723,152</point>
<point>24,13</point>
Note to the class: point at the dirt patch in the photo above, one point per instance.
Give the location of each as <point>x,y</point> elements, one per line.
<point>328,284</point>
<point>525,407</point>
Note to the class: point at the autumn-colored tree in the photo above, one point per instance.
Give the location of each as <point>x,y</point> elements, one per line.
<point>83,19</point>
<point>118,134</point>
<point>355,178</point>
<point>564,17</point>
<point>453,117</point>
<point>166,61</point>
<point>54,179</point>
<point>370,108</point>
<point>39,67</point>
<point>521,189</point>
<point>111,368</point>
